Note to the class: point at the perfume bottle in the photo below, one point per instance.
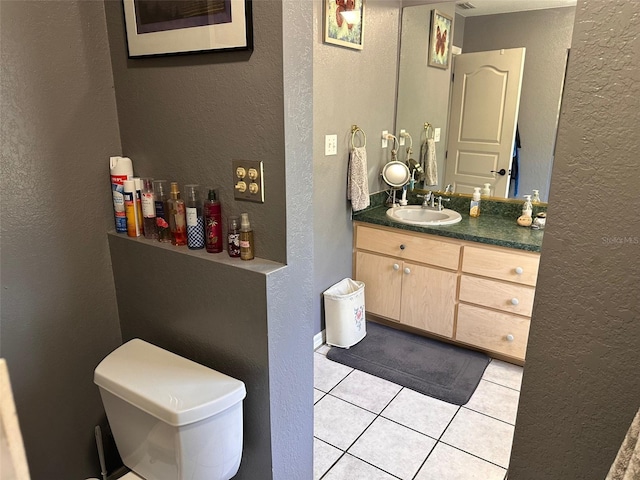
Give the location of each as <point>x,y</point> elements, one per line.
<point>213,223</point>
<point>233,237</point>
<point>161,203</point>
<point>246,238</point>
<point>148,210</point>
<point>177,218</point>
<point>195,221</point>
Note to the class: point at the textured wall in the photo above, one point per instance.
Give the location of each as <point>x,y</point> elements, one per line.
<point>580,389</point>
<point>58,308</point>
<point>349,87</point>
<point>546,34</point>
<point>185,118</point>
<point>423,91</point>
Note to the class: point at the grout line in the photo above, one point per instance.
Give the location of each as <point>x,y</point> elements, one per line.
<point>500,384</point>
<point>473,455</point>
<point>488,416</point>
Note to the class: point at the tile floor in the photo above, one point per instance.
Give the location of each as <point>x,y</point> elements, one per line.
<point>366,428</point>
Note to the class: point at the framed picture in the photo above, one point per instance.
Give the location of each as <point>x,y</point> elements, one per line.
<point>344,23</point>
<point>440,40</point>
<point>164,27</point>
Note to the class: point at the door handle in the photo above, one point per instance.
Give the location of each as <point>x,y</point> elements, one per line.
<point>502,171</point>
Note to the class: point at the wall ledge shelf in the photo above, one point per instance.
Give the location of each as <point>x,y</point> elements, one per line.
<point>257,265</point>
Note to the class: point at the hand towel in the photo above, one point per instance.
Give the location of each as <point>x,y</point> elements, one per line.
<point>626,466</point>
<point>358,179</point>
<point>430,164</point>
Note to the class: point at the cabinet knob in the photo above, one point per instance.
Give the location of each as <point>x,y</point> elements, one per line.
<point>519,270</point>
<point>407,270</point>
<point>402,247</point>
<point>509,338</point>
<point>515,301</point>
<point>396,266</point>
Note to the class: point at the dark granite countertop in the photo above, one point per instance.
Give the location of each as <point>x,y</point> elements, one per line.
<point>497,230</point>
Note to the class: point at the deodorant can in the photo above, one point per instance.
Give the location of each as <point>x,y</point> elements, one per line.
<point>121,169</point>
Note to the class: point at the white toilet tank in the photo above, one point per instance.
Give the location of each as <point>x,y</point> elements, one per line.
<point>172,419</point>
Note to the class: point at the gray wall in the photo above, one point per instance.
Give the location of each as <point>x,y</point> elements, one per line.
<point>580,389</point>
<point>349,87</point>
<point>423,91</point>
<point>58,310</point>
<point>185,118</point>
<point>546,34</point>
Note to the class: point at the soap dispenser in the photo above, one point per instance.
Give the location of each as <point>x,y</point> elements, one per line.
<point>486,190</point>
<point>474,207</point>
<point>527,207</point>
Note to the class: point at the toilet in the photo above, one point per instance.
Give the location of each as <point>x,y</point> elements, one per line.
<point>171,418</point>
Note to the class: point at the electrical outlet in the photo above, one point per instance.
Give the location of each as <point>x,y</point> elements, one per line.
<point>402,136</point>
<point>248,180</point>
<point>385,139</point>
<point>436,135</point>
<point>330,145</point>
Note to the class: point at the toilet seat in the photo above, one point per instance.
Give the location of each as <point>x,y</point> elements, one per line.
<point>130,476</point>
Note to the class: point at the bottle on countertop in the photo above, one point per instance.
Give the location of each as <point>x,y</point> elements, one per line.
<point>177,217</point>
<point>536,197</point>
<point>148,210</point>
<point>486,190</point>
<point>213,222</point>
<point>195,220</point>
<point>527,207</point>
<point>233,237</point>
<point>246,238</point>
<point>161,202</point>
<point>474,207</point>
<point>131,208</point>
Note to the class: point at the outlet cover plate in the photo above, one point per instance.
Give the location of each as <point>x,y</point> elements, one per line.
<point>330,145</point>
<point>248,175</point>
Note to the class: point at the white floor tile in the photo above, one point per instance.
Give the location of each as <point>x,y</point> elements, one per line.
<point>351,468</point>
<point>482,436</point>
<point>393,448</point>
<point>366,391</point>
<point>420,412</point>
<point>339,423</point>
<point>496,401</point>
<point>327,374</point>
<point>503,373</point>
<point>448,463</point>
<point>317,395</point>
<point>324,456</point>
<point>323,349</point>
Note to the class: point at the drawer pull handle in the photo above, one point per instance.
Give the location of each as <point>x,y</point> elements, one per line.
<point>396,266</point>
<point>402,247</point>
<point>407,270</point>
<point>509,338</point>
<point>519,270</point>
<point>515,301</point>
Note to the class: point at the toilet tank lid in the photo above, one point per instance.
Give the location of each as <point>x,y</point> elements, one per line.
<point>165,385</point>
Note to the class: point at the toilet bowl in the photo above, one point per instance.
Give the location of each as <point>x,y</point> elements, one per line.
<point>171,418</point>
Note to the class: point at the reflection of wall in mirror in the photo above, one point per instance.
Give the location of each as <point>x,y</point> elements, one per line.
<point>546,34</point>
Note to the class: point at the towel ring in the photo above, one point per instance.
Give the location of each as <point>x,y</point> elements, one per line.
<point>427,127</point>
<point>355,129</point>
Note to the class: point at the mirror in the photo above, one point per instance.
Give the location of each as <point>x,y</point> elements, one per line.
<point>396,174</point>
<point>424,92</point>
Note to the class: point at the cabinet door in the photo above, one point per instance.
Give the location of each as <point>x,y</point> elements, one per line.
<point>382,279</point>
<point>428,299</point>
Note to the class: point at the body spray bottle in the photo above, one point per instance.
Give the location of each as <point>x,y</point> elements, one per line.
<point>177,219</point>
<point>161,203</point>
<point>246,238</point>
<point>131,208</point>
<point>148,210</point>
<point>195,222</point>
<point>233,237</point>
<point>213,223</point>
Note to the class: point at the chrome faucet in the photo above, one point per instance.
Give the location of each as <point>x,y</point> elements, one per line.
<point>426,198</point>
<point>440,200</point>
<point>448,189</point>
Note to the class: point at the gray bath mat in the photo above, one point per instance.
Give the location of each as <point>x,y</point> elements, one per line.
<point>434,368</point>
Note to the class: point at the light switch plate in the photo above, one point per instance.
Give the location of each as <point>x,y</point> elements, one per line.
<point>436,135</point>
<point>385,140</point>
<point>330,145</point>
<point>248,180</point>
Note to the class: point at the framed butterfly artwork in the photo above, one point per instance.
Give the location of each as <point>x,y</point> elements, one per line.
<point>344,23</point>
<point>440,40</point>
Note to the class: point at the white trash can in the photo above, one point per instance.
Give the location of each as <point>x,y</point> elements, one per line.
<point>344,313</point>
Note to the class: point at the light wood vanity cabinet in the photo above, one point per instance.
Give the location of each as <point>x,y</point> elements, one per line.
<point>476,295</point>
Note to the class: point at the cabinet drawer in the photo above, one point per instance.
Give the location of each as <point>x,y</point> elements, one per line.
<point>508,297</point>
<point>518,267</point>
<point>409,247</point>
<point>498,332</point>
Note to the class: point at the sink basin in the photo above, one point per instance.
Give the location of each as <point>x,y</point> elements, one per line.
<point>416,215</point>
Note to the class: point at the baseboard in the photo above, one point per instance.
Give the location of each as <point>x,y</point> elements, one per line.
<point>318,340</point>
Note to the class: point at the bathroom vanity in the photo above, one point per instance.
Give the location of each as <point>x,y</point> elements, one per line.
<point>473,293</point>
